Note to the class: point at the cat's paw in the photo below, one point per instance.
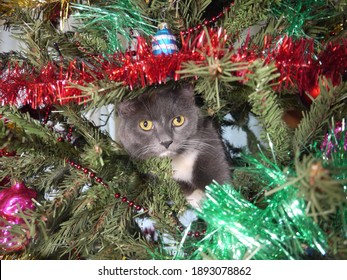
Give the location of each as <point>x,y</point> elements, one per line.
<point>195,198</point>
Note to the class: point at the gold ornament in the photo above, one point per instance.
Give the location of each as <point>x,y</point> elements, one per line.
<point>9,7</point>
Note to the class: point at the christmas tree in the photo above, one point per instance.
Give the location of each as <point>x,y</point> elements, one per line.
<point>70,191</point>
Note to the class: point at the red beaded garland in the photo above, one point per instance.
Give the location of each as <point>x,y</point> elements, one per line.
<point>47,113</point>
<point>69,135</point>
<point>124,199</point>
<point>5,153</point>
<point>98,179</point>
<point>138,207</point>
<point>190,233</point>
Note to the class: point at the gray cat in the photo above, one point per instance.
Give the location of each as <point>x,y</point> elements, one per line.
<point>166,122</point>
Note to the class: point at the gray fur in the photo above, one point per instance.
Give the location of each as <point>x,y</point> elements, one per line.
<point>196,136</point>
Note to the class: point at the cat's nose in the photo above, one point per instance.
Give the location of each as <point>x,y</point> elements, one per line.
<point>166,144</point>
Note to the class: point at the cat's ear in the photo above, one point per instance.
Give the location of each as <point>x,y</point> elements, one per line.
<point>126,108</point>
<point>187,91</point>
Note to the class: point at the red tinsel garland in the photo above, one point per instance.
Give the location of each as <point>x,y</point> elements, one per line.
<point>297,61</point>
<point>51,85</point>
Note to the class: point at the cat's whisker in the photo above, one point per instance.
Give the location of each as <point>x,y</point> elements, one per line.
<point>197,143</point>
<point>144,150</point>
<point>198,146</point>
<point>195,147</point>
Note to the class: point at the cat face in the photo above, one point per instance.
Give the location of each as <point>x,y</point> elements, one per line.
<point>158,123</point>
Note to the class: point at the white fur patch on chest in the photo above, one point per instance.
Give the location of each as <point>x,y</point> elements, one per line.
<point>183,165</point>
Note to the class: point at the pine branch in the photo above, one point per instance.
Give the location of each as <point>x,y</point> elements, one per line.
<point>88,211</point>
<point>97,221</point>
<point>41,41</point>
<point>265,104</point>
<point>245,14</point>
<point>192,11</point>
<point>90,43</point>
<point>179,15</point>
<point>330,102</point>
<point>104,92</point>
<point>212,76</point>
<point>37,138</point>
<point>271,29</point>
<point>99,151</point>
<point>167,200</point>
<point>318,186</point>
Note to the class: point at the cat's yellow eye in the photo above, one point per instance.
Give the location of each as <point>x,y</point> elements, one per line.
<point>178,121</point>
<point>146,125</point>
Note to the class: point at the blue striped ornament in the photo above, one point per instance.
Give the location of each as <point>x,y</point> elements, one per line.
<point>164,42</point>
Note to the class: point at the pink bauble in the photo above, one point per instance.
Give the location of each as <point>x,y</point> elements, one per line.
<point>13,200</point>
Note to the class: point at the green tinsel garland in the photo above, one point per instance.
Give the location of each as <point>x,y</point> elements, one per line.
<point>115,21</point>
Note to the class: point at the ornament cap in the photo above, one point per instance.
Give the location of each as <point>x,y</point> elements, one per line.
<point>163,25</point>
